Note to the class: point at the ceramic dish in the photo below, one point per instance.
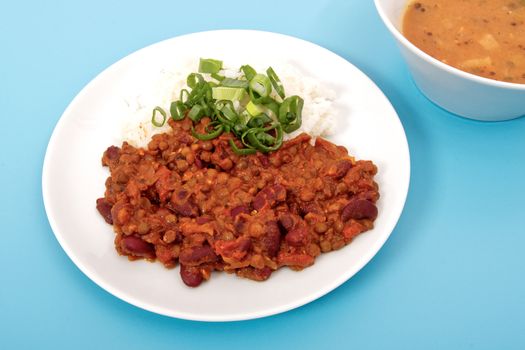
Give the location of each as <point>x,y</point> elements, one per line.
<point>73,178</point>
<point>459,92</point>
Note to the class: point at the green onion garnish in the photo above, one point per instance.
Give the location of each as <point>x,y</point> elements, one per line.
<point>241,151</point>
<point>248,71</point>
<point>177,110</point>
<point>195,113</point>
<point>234,83</point>
<point>276,82</point>
<point>209,136</point>
<point>261,85</point>
<point>208,65</point>
<point>290,113</point>
<point>154,120</point>
<point>243,106</point>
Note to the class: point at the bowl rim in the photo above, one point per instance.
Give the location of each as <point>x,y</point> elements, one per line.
<point>450,69</point>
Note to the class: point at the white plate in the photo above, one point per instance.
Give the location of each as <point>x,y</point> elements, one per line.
<point>73,179</point>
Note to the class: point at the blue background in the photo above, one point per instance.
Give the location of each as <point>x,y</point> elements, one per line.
<point>451,275</point>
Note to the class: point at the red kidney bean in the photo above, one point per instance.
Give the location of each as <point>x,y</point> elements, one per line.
<point>104,208</point>
<point>198,163</point>
<point>244,209</point>
<point>186,209</point>
<point>264,160</point>
<point>197,255</point>
<point>112,153</point>
<point>296,237</point>
<point>240,224</point>
<point>272,238</point>
<point>137,247</point>
<point>269,196</point>
<point>287,221</point>
<point>339,169</point>
<point>191,276</point>
<point>359,209</point>
<point>182,194</point>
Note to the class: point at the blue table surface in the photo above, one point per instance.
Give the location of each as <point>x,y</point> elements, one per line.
<point>452,275</point>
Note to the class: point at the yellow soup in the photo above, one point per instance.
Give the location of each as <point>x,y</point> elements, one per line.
<point>483,37</point>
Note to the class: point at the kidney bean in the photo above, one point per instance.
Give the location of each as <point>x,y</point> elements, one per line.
<point>191,276</point>
<point>104,208</point>
<point>187,209</point>
<point>198,163</point>
<point>287,221</point>
<point>339,169</point>
<point>296,237</point>
<point>269,196</point>
<point>264,160</point>
<point>271,239</point>
<point>240,209</point>
<point>112,153</point>
<point>359,209</point>
<point>240,224</point>
<point>197,255</point>
<point>137,247</point>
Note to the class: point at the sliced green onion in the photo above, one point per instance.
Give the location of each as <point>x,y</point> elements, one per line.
<point>194,79</point>
<point>218,77</point>
<point>228,93</point>
<point>259,121</point>
<point>259,138</point>
<point>290,113</point>
<point>241,151</point>
<point>261,85</point>
<point>177,110</point>
<point>184,95</point>
<point>254,109</point>
<point>229,113</point>
<point>272,108</point>
<point>248,71</point>
<point>236,83</point>
<point>195,113</point>
<point>154,120</point>
<point>276,82</point>
<point>243,106</point>
<point>210,136</point>
<point>202,91</point>
<point>209,65</point>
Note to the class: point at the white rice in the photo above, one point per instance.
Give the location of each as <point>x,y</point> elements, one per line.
<point>318,117</point>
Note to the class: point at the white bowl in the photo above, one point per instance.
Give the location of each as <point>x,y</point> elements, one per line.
<point>456,91</point>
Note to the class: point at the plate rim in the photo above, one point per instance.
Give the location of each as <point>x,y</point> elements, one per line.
<point>363,261</point>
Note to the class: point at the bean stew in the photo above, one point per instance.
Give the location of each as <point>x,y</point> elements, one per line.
<point>198,204</point>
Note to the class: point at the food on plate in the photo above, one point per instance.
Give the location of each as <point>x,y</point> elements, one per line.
<point>318,117</point>
<point>486,38</point>
<point>253,107</point>
<point>199,203</point>
<point>221,190</point>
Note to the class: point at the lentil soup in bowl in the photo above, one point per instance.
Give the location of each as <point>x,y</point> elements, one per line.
<point>471,63</point>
